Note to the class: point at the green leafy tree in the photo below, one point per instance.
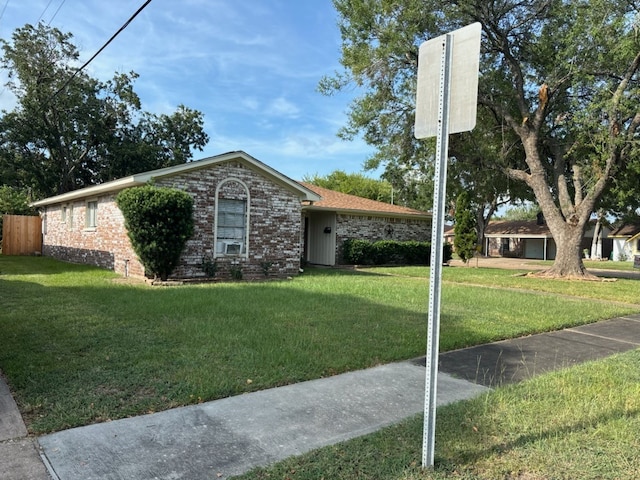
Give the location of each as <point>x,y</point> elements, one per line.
<point>528,211</point>
<point>159,222</point>
<point>353,184</point>
<point>465,240</point>
<point>558,97</point>
<point>69,130</point>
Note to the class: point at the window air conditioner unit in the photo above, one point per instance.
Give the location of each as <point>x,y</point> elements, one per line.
<point>233,248</point>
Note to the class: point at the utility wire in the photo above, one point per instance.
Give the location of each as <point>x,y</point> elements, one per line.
<point>56,12</point>
<point>4,9</point>
<point>126,24</point>
<point>43,12</point>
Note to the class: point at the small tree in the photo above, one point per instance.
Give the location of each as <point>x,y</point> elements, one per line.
<point>465,240</point>
<point>159,221</point>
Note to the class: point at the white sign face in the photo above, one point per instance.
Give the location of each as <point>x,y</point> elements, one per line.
<point>464,82</point>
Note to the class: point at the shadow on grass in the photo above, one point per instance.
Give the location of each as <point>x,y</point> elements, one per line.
<point>89,353</point>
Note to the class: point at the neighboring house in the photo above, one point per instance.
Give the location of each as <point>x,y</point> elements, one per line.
<point>626,242</point>
<point>531,239</point>
<point>248,217</point>
<point>339,216</point>
<point>519,238</point>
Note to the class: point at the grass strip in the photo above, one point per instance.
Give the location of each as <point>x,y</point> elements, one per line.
<point>581,422</point>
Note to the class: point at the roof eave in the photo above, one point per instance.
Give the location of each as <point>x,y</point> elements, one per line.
<point>303,192</point>
<point>92,191</point>
<point>375,213</point>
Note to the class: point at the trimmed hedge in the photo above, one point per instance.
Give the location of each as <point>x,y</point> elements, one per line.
<point>159,222</point>
<point>389,252</point>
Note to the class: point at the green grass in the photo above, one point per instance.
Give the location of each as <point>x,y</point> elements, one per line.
<point>618,290</point>
<point>578,423</point>
<point>80,346</point>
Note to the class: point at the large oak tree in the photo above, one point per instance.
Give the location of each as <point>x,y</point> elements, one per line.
<point>558,96</point>
<point>69,130</point>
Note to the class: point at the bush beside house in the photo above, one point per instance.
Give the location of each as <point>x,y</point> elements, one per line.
<point>159,222</point>
<point>389,252</point>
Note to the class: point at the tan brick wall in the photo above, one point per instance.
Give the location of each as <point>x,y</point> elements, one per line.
<point>106,245</point>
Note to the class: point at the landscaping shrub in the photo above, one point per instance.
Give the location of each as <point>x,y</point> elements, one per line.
<point>159,221</point>
<point>389,252</point>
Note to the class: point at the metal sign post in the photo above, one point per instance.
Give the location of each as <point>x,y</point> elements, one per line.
<point>454,84</point>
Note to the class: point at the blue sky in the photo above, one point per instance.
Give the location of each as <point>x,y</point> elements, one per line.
<point>251,66</point>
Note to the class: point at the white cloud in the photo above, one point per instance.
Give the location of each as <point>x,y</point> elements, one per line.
<point>281,107</point>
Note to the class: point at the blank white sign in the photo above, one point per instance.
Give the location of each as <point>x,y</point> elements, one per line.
<point>464,82</point>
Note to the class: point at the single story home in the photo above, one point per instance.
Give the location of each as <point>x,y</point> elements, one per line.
<point>626,242</point>
<point>529,239</point>
<point>248,217</point>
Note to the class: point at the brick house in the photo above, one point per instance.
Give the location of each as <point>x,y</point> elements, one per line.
<point>248,217</point>
<point>532,239</point>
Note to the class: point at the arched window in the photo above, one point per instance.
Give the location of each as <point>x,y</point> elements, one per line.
<point>232,218</point>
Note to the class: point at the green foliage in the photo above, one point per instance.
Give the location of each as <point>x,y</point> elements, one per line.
<point>236,272</point>
<point>353,184</point>
<point>63,135</point>
<point>266,267</point>
<point>209,266</point>
<point>465,240</point>
<point>523,212</point>
<point>159,221</point>
<point>558,103</point>
<point>389,252</point>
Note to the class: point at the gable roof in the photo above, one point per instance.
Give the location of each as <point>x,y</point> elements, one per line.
<point>138,179</point>
<point>344,203</point>
<point>517,229</point>
<point>626,230</point>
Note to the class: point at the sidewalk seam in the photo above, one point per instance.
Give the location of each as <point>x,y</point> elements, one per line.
<point>602,337</point>
<point>47,464</point>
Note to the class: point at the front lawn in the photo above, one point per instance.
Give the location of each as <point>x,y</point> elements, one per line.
<point>79,345</point>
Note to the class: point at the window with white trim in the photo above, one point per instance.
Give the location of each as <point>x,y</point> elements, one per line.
<point>91,217</point>
<point>231,223</point>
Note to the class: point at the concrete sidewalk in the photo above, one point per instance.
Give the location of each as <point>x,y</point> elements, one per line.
<point>19,457</point>
<point>230,436</point>
<point>511,361</point>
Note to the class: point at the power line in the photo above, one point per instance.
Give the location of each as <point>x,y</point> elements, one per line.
<point>56,12</point>
<point>4,9</point>
<point>43,11</point>
<point>126,24</point>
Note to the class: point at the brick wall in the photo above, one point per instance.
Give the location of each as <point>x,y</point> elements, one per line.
<point>372,228</point>
<point>273,237</point>
<point>106,245</point>
<point>274,213</point>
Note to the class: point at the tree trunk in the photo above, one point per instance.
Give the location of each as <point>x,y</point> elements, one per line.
<point>568,262</point>
<point>596,243</point>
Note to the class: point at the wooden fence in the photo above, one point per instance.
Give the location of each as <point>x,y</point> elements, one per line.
<point>21,235</point>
